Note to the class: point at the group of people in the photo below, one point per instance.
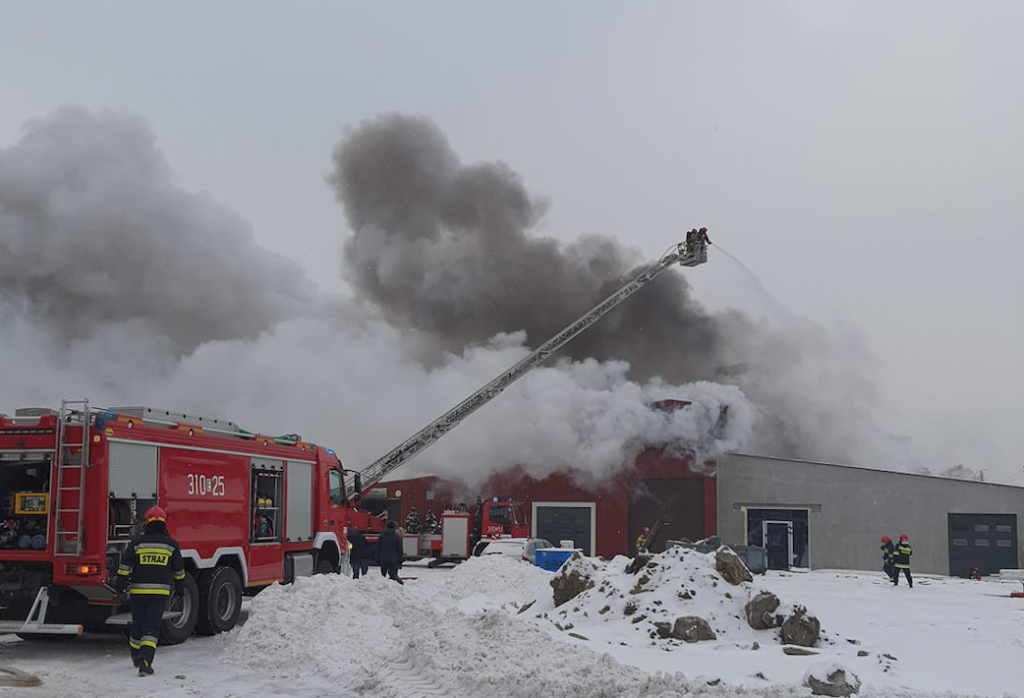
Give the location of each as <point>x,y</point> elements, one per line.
<point>390,554</point>
<point>896,559</point>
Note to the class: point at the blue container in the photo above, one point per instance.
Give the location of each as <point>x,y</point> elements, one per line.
<point>551,559</point>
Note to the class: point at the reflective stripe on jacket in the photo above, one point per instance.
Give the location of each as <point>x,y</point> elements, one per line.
<point>153,563</point>
<point>902,555</point>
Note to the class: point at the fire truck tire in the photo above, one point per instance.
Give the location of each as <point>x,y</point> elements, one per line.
<point>325,566</point>
<point>174,631</point>
<point>220,600</point>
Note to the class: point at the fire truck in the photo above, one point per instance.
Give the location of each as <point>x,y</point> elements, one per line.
<point>247,509</point>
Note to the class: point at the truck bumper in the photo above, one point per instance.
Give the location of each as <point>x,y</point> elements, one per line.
<point>36,622</point>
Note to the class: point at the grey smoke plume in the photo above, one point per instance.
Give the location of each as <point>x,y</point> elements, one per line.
<point>119,285</point>
<point>444,248</point>
<point>94,231</point>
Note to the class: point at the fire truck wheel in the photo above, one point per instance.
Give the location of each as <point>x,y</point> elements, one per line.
<point>174,631</point>
<point>325,566</point>
<point>220,600</point>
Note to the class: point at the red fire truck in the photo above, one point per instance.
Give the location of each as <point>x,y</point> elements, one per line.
<point>248,509</point>
<point>462,528</point>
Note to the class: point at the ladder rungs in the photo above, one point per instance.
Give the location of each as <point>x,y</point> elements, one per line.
<point>72,457</point>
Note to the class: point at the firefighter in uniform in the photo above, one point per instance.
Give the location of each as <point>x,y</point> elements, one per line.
<point>153,565</point>
<point>888,551</point>
<point>901,561</point>
<point>641,539</point>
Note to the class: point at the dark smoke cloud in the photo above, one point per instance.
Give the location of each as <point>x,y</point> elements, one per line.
<point>443,248</point>
<point>94,231</point>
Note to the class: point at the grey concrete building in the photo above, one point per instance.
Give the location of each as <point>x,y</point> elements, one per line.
<point>822,515</point>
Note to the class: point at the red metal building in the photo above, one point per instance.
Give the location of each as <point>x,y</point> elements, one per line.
<point>601,518</point>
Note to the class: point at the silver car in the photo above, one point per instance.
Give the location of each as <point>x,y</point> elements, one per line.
<point>523,548</point>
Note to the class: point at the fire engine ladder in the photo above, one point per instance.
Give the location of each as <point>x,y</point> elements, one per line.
<point>690,253</point>
<point>72,459</point>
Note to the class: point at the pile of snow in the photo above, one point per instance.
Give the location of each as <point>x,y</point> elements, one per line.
<point>376,638</point>
<point>625,608</point>
<point>491,618</point>
<point>492,582</point>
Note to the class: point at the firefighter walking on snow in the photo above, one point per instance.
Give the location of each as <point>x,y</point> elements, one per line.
<point>901,561</point>
<point>888,551</point>
<point>151,567</point>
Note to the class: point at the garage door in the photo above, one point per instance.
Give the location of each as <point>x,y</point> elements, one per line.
<point>558,522</point>
<point>988,541</point>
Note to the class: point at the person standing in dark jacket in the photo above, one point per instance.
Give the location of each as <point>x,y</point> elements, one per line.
<point>153,566</point>
<point>389,552</point>
<point>888,550</point>
<point>901,561</point>
<point>359,552</point>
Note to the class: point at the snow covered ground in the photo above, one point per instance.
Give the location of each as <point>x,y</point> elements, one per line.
<point>468,631</point>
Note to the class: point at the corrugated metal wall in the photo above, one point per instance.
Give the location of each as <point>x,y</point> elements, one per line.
<point>850,508</point>
<point>613,534</point>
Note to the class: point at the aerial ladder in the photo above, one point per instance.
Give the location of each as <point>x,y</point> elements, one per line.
<point>690,253</point>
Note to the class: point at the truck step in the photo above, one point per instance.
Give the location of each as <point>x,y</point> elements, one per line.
<point>126,618</point>
<point>17,626</point>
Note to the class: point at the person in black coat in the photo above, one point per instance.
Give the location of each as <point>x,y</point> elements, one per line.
<point>359,553</point>
<point>389,552</point>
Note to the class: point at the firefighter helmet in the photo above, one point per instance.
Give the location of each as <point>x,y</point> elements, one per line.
<point>903,537</point>
<point>885,539</point>
<point>155,514</point>
<point>646,529</point>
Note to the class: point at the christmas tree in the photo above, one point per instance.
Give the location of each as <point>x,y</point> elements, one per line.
<point>430,523</point>
<point>412,521</point>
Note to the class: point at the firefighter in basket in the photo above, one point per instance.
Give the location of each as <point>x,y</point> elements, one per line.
<point>151,568</point>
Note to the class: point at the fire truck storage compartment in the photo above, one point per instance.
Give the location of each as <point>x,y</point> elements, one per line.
<point>133,481</point>
<point>297,565</point>
<point>133,470</point>
<point>299,522</point>
<point>24,502</point>
<point>267,486</point>
<point>455,535</point>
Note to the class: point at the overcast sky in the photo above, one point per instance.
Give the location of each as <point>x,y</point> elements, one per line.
<point>864,160</point>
